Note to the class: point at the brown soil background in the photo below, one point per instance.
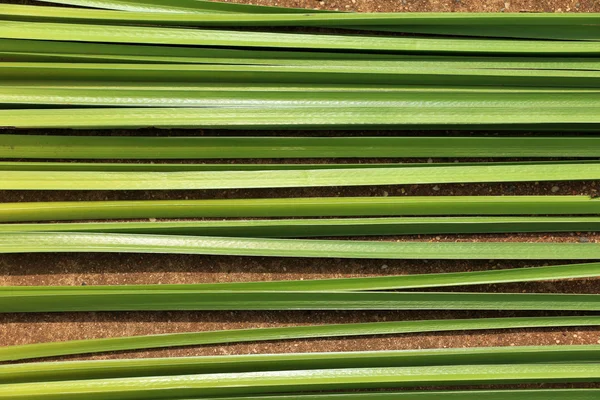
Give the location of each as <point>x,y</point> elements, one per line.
<point>93,269</point>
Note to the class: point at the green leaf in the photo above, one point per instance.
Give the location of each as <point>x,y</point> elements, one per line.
<point>102,369</point>
<point>546,26</point>
<point>136,147</point>
<point>179,36</point>
<point>180,6</point>
<point>275,178</point>
<point>301,207</point>
<point>69,242</point>
<point>305,18</point>
<point>569,271</point>
<point>556,32</point>
<point>404,74</point>
<point>23,352</point>
<point>72,51</point>
<point>325,227</point>
<point>68,51</point>
<point>537,394</point>
<point>471,119</point>
<point>33,166</point>
<point>27,301</point>
<point>264,99</point>
<point>214,385</point>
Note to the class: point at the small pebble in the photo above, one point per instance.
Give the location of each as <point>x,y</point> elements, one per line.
<point>584,239</point>
<point>152,219</point>
<point>430,161</point>
<point>555,189</point>
<point>384,266</point>
<point>385,194</point>
<point>436,188</point>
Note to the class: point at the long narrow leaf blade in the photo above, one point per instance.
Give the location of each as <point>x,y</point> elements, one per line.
<point>46,166</point>
<point>174,54</point>
<point>180,6</point>
<point>306,18</point>
<point>486,25</point>
<point>303,228</point>
<point>165,300</point>
<point>301,207</point>
<point>215,385</point>
<point>177,36</point>
<point>569,271</point>
<point>264,99</point>
<point>395,74</point>
<point>556,32</point>
<point>472,119</point>
<point>134,147</point>
<point>23,352</point>
<point>537,394</point>
<point>179,180</point>
<point>102,369</point>
<point>68,242</point>
<point>102,52</point>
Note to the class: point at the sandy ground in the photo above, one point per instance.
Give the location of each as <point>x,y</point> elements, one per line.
<point>65,269</point>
